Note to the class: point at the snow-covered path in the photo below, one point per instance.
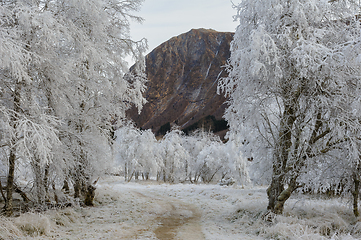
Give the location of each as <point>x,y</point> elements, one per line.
<point>181,211</point>
<point>173,220</point>
<point>153,210</point>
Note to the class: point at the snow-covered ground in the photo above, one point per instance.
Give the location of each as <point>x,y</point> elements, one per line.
<point>151,210</point>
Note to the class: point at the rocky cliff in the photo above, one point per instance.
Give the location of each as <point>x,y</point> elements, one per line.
<point>182,74</point>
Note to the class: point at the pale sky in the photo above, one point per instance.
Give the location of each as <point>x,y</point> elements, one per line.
<point>165,19</point>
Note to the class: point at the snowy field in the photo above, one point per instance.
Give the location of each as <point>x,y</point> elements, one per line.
<point>151,210</point>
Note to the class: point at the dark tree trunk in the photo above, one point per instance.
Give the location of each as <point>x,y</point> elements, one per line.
<point>158,176</point>
<point>39,182</point>
<point>66,186</point>
<point>46,183</point>
<point>164,175</point>
<point>10,184</point>
<point>89,198</point>
<point>125,171</point>
<point>284,195</point>
<point>273,191</point>
<point>281,158</point>
<point>22,194</point>
<point>355,194</point>
<point>2,191</point>
<point>55,194</point>
<point>136,175</point>
<point>8,208</point>
<point>77,189</point>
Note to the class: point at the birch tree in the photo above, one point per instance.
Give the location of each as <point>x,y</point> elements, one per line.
<point>64,79</point>
<point>137,152</point>
<point>174,156</point>
<point>292,88</point>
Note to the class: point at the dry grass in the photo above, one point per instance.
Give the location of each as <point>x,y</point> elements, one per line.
<point>307,219</point>
<point>33,224</point>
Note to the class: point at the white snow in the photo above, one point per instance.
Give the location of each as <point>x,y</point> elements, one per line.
<point>153,210</point>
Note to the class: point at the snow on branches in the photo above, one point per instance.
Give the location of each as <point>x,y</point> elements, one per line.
<point>294,82</point>
<point>199,157</point>
<point>64,77</point>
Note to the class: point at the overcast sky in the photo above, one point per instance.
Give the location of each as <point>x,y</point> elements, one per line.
<point>168,18</point>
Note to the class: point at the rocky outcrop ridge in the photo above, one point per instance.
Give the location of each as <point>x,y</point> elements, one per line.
<point>183,74</point>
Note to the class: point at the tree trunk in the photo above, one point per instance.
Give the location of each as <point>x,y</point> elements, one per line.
<point>66,186</point>
<point>77,189</point>
<point>164,175</point>
<point>285,194</point>
<point>55,194</point>
<point>277,195</point>
<point>8,208</point>
<point>125,171</point>
<point>46,183</point>
<point>39,184</point>
<point>131,176</point>
<point>22,194</point>
<point>355,194</point>
<point>2,191</point>
<point>136,175</point>
<point>281,157</point>
<point>89,198</point>
<point>273,191</point>
<point>10,183</point>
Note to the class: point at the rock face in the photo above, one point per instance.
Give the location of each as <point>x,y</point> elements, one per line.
<point>183,74</point>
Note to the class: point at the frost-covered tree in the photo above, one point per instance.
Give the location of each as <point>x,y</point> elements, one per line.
<point>199,157</point>
<point>212,161</point>
<point>64,78</point>
<point>293,85</point>
<point>337,173</point>
<point>174,156</point>
<point>136,152</point>
<point>221,161</point>
<point>194,144</point>
<point>28,131</point>
<point>236,164</point>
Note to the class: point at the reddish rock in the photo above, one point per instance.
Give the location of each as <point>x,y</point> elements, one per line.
<point>182,74</point>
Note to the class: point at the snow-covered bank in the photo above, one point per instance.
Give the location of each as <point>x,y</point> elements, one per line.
<point>151,210</point>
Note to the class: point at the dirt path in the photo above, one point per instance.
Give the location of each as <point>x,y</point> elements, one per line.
<point>180,221</point>
<point>122,213</point>
<point>177,225</point>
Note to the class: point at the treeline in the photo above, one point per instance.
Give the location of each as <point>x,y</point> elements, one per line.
<point>198,157</point>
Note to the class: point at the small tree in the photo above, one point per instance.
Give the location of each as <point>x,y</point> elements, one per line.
<point>136,152</point>
<point>194,144</point>
<point>174,156</point>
